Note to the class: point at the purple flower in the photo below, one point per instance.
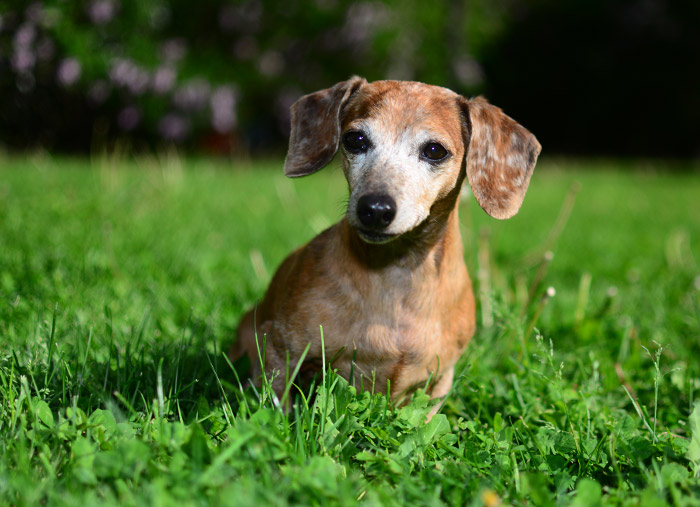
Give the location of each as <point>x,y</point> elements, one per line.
<point>244,16</point>
<point>129,118</point>
<point>173,50</point>
<point>245,48</point>
<point>222,104</point>
<point>138,82</point>
<point>119,70</point>
<point>285,99</point>
<point>173,127</point>
<point>468,70</point>
<point>35,12</point>
<point>362,20</point>
<point>25,36</point>
<point>163,80</point>
<point>23,59</point>
<point>69,71</point>
<point>193,96</point>
<point>45,49</point>
<point>129,75</point>
<point>98,92</point>
<point>102,12</point>
<point>271,63</point>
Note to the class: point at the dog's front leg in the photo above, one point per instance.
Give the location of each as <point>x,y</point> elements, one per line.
<point>441,389</point>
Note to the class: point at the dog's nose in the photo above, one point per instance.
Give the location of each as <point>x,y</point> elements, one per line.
<point>376,211</point>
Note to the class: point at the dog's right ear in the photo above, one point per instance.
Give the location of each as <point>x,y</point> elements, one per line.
<point>315,131</point>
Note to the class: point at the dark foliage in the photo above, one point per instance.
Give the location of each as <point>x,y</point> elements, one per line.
<point>601,77</point>
<point>589,77</point>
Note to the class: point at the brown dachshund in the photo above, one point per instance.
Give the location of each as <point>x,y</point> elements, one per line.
<point>388,283</point>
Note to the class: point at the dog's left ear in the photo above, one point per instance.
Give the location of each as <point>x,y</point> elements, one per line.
<point>315,133</point>
<point>501,155</point>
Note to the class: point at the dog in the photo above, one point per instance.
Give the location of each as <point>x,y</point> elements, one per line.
<point>388,283</point>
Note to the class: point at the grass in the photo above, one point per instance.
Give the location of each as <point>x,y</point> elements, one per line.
<point>121,283</point>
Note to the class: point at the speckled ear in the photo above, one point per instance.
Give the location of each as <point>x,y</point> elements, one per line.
<point>501,155</point>
<point>315,132</point>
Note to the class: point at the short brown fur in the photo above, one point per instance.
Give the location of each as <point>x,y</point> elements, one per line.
<point>402,310</point>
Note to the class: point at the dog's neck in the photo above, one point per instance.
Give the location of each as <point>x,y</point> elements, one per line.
<point>436,235</point>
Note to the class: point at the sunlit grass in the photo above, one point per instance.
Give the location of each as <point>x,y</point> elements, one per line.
<point>122,281</point>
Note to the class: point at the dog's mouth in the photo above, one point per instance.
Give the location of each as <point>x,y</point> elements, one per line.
<point>375,238</point>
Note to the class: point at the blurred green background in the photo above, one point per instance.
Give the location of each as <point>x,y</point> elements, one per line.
<point>589,77</point>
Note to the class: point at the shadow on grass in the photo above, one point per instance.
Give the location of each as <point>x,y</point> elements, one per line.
<point>127,371</point>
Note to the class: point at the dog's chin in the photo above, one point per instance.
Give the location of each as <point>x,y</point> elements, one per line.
<point>375,238</point>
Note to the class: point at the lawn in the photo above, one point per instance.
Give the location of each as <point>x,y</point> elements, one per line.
<point>122,281</point>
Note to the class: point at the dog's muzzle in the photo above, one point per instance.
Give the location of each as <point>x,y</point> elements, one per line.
<point>375,213</point>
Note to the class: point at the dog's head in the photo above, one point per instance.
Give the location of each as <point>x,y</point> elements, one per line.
<point>404,145</point>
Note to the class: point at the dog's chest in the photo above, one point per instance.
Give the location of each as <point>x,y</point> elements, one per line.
<point>399,324</point>
<point>399,334</point>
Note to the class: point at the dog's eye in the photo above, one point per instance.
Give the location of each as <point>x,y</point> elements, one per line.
<point>356,142</point>
<point>434,152</point>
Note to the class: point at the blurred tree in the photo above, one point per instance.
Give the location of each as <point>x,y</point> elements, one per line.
<point>220,75</point>
<point>605,77</point>
<point>210,74</point>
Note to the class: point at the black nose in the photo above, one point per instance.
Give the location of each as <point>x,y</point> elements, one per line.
<point>376,211</point>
